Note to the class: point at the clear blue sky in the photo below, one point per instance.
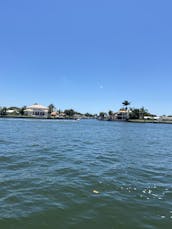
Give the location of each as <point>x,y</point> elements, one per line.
<point>88,55</point>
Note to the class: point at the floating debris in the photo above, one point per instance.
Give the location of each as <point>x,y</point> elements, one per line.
<point>96,192</point>
<point>163,217</point>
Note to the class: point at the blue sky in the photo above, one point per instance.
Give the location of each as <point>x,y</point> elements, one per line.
<point>86,55</point>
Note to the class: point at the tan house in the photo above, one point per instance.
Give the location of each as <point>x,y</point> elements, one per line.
<point>37,110</point>
<point>122,114</point>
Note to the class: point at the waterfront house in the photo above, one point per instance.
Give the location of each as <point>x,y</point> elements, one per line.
<point>151,117</point>
<point>122,114</point>
<point>54,114</point>
<point>12,112</point>
<point>37,110</point>
<point>166,118</point>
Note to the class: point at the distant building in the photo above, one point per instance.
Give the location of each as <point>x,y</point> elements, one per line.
<point>54,114</point>
<point>37,110</point>
<point>122,114</point>
<point>151,117</point>
<point>166,118</point>
<point>12,111</point>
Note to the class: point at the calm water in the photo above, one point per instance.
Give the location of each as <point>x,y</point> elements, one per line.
<point>85,174</point>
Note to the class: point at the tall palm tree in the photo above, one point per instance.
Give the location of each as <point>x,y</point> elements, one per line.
<point>126,104</point>
<point>50,109</point>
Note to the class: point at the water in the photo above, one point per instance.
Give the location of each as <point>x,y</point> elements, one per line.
<point>85,174</point>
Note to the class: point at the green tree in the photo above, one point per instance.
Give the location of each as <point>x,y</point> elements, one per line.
<point>145,112</point>
<point>110,113</point>
<point>139,113</point>
<point>69,112</point>
<point>4,111</point>
<point>126,104</point>
<point>102,115</point>
<point>21,110</point>
<point>134,114</point>
<point>142,113</point>
<point>88,115</point>
<point>50,108</point>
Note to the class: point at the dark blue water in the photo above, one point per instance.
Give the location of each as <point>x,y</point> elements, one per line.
<point>85,174</point>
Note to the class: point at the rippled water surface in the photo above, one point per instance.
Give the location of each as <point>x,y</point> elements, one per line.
<point>85,174</point>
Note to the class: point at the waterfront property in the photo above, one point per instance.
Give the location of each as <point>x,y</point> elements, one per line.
<point>166,118</point>
<point>37,110</point>
<point>122,114</point>
<point>58,115</point>
<point>12,112</point>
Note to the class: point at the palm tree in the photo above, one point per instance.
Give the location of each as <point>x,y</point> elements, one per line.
<point>21,111</point>
<point>126,104</point>
<point>143,112</point>
<point>4,111</point>
<point>110,114</point>
<point>135,113</point>
<point>50,109</point>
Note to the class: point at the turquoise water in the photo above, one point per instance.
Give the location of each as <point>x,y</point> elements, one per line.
<point>85,174</point>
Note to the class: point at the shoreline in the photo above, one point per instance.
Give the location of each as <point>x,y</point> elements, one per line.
<point>142,121</point>
<point>40,118</point>
<point>70,118</point>
<point>150,121</point>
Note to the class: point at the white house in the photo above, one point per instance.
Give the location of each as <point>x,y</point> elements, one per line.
<point>12,111</point>
<point>151,117</point>
<point>37,110</point>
